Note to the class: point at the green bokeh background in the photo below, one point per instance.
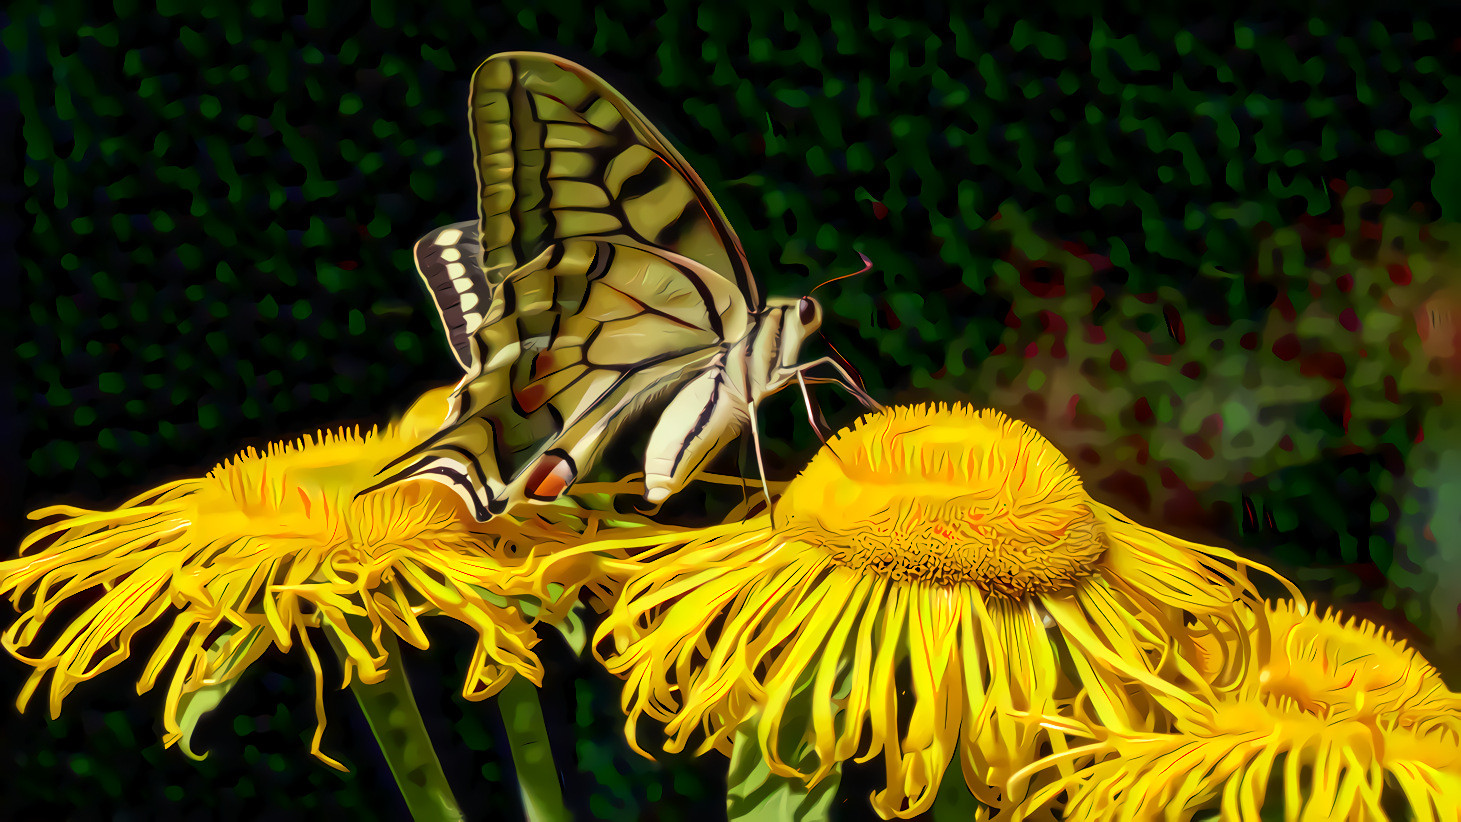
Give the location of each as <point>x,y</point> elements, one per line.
<point>214,213</point>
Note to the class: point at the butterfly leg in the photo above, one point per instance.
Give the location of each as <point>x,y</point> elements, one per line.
<point>843,378</point>
<point>811,413</point>
<point>702,419</point>
<point>760,465</point>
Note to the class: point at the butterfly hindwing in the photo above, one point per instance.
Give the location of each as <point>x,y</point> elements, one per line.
<point>449,261</point>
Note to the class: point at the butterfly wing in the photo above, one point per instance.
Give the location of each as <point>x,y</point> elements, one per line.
<point>449,261</point>
<point>560,154</point>
<point>614,275</point>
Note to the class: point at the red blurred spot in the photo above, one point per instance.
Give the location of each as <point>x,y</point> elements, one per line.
<point>1097,294</point>
<point>1043,281</point>
<point>1349,320</point>
<point>1162,359</point>
<point>1118,361</point>
<point>1370,230</point>
<point>1392,390</point>
<point>1339,186</point>
<point>1287,443</point>
<point>1287,347</point>
<point>1326,364</point>
<point>1174,324</point>
<point>1095,334</point>
<point>998,349</point>
<point>1345,283</point>
<point>1419,433</point>
<point>1381,195</point>
<point>349,265</point>
<point>879,210</point>
<point>1143,448</point>
<point>1147,298</point>
<point>1191,370</point>
<point>1249,341</point>
<point>1199,446</point>
<point>1285,307</point>
<point>1070,408</point>
<point>1399,273</point>
<point>1143,412</point>
<point>1031,350</point>
<point>1212,425</point>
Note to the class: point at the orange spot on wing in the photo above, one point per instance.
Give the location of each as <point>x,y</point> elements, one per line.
<point>532,397</point>
<point>542,364</point>
<point>549,477</point>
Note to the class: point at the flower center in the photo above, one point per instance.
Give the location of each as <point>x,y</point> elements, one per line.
<point>947,496</point>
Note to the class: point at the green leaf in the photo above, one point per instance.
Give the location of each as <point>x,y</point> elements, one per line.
<point>194,705</point>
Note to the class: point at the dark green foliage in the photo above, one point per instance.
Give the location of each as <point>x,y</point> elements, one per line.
<point>216,212</point>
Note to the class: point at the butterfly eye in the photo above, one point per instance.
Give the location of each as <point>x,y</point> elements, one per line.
<point>806,310</point>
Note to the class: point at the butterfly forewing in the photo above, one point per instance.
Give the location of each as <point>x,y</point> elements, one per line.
<point>562,155</point>
<point>614,276</point>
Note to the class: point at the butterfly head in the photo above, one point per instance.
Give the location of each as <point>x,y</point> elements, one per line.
<point>797,319</point>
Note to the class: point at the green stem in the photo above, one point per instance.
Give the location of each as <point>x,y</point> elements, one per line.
<point>391,711</point>
<point>755,794</point>
<point>954,800</point>
<point>537,775</point>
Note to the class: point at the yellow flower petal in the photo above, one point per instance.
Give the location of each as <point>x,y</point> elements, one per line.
<point>919,552</point>
<point>277,543</point>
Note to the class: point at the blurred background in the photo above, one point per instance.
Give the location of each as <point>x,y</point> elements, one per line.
<point>1213,259</point>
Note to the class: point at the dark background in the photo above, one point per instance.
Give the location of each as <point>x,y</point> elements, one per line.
<point>1141,234</point>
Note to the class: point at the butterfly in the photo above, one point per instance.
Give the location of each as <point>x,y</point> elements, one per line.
<point>600,279</point>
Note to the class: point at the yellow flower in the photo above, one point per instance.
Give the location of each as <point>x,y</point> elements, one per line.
<point>926,579</point>
<point>268,545</point>
<point>1334,710</point>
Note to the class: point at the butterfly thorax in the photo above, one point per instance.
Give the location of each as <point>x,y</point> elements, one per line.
<point>768,357</point>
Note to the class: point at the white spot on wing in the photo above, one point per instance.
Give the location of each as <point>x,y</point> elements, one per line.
<point>448,237</point>
<point>463,285</point>
<point>451,254</point>
<point>472,321</point>
<point>469,301</point>
<point>456,269</point>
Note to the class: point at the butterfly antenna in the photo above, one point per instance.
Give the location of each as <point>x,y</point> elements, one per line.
<point>765,488</point>
<point>846,363</point>
<point>866,266</point>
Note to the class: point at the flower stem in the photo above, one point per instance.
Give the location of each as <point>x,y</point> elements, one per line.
<point>537,775</point>
<point>391,711</point>
<point>755,794</point>
<point>954,801</point>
